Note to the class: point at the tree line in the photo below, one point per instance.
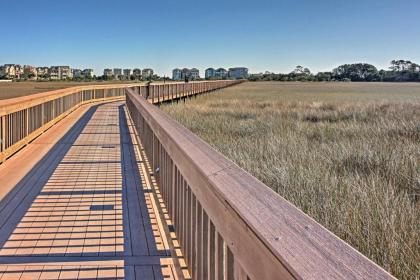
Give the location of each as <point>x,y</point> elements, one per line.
<point>399,71</point>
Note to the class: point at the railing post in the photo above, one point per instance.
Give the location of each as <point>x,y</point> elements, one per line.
<point>3,134</point>
<point>172,91</point>
<point>160,93</point>
<point>27,121</point>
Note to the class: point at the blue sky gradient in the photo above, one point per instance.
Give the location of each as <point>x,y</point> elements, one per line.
<point>261,35</point>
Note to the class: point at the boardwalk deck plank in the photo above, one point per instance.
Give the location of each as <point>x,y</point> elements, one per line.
<point>81,212</point>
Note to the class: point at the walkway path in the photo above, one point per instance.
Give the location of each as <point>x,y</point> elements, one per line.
<point>85,211</point>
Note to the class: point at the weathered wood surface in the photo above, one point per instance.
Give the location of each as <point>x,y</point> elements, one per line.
<point>87,209</point>
<point>250,231</point>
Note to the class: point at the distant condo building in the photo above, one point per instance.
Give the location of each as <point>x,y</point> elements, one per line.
<point>176,74</point>
<point>209,73</point>
<point>147,73</point>
<point>88,73</point>
<point>30,72</point>
<point>108,73</point>
<point>77,73</point>
<point>11,71</point>
<point>137,72</point>
<point>117,73</point>
<point>42,72</point>
<point>127,73</point>
<point>185,73</point>
<point>221,73</point>
<point>60,73</point>
<point>238,73</point>
<point>194,74</point>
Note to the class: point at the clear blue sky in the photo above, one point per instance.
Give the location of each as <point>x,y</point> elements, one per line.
<point>261,35</point>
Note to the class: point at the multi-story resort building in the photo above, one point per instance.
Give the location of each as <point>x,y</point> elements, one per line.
<point>147,73</point>
<point>221,73</point>
<point>238,73</point>
<point>77,73</point>
<point>42,72</point>
<point>127,73</point>
<point>209,73</point>
<point>3,72</point>
<point>60,73</point>
<point>88,73</point>
<point>11,71</point>
<point>117,73</point>
<point>177,74</point>
<point>30,72</point>
<point>137,73</point>
<point>108,73</point>
<point>185,73</point>
<point>16,71</point>
<point>194,74</point>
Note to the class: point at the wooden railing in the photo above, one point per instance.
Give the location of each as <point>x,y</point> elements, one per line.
<point>158,93</point>
<point>25,118</point>
<point>229,224</point>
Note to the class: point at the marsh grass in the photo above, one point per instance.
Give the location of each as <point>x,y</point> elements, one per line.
<point>346,154</point>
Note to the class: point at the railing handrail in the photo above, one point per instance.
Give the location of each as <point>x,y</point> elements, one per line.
<point>11,105</point>
<point>23,119</point>
<point>269,237</point>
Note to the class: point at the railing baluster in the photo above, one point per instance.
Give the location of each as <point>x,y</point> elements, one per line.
<point>211,258</point>
<point>3,134</point>
<point>199,240</point>
<point>188,228</point>
<point>205,243</point>
<point>219,261</point>
<point>229,263</point>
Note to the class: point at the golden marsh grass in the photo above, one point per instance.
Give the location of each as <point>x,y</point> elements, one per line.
<point>347,154</point>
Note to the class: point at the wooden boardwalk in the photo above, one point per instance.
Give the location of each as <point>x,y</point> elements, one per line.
<point>87,210</point>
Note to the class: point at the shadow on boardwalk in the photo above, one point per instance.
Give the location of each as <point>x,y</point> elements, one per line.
<point>81,212</point>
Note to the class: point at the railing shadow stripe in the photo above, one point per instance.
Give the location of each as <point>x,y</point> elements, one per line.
<point>17,202</point>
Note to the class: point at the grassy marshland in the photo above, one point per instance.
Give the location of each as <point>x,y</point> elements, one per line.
<point>348,154</point>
